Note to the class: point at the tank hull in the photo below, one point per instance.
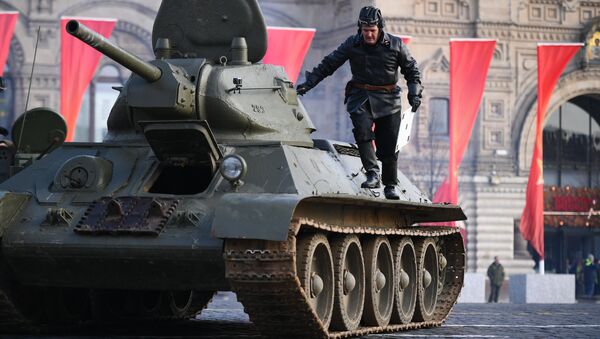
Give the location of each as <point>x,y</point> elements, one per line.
<point>122,228</point>
<point>159,265</point>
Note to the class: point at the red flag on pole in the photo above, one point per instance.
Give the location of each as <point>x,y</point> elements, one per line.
<point>8,20</point>
<point>78,64</point>
<point>469,63</point>
<point>287,47</point>
<point>552,60</point>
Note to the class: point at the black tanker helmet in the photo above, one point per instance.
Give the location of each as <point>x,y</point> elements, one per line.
<point>370,16</point>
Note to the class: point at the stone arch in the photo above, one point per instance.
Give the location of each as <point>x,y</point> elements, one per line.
<point>498,55</point>
<point>4,6</point>
<point>83,6</point>
<point>438,63</point>
<point>124,25</point>
<point>279,18</point>
<point>143,35</point>
<point>574,84</point>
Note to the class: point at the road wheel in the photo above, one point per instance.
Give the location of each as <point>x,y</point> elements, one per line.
<point>179,303</point>
<point>406,281</point>
<point>379,267</point>
<point>315,271</point>
<point>68,305</point>
<point>428,279</point>
<point>349,271</point>
<point>30,302</point>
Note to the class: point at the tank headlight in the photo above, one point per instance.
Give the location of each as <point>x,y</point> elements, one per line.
<point>233,168</point>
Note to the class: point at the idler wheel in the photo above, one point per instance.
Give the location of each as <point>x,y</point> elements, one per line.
<point>315,271</point>
<point>428,279</point>
<point>349,283</point>
<point>406,285</point>
<point>380,277</point>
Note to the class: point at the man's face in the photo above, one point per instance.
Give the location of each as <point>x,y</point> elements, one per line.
<point>370,34</point>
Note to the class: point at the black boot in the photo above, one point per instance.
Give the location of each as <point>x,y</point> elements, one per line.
<point>369,161</point>
<point>372,180</point>
<point>391,193</point>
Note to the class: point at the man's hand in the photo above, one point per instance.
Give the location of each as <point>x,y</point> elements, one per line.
<point>414,101</point>
<point>302,88</point>
<point>414,95</point>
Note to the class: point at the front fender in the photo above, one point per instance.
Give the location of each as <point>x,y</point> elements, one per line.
<point>254,216</point>
<point>11,205</point>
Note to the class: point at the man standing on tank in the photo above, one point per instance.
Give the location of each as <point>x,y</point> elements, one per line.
<point>372,96</point>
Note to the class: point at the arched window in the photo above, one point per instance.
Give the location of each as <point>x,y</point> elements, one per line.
<point>438,116</point>
<point>572,144</point>
<point>97,103</point>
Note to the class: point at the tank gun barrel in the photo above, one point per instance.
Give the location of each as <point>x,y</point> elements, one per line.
<point>138,66</point>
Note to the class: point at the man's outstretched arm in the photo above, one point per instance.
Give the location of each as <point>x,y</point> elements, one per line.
<point>327,67</point>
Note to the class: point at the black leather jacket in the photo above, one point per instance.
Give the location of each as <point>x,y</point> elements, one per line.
<point>374,65</point>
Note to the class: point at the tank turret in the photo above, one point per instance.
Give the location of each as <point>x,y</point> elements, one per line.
<point>211,73</point>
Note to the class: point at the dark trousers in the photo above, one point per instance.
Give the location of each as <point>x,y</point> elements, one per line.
<point>385,136</point>
<point>495,290</point>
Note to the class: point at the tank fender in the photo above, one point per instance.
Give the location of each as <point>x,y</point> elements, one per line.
<point>254,216</point>
<point>11,205</point>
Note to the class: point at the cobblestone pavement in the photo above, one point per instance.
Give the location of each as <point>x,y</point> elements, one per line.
<point>503,320</point>
<point>224,318</point>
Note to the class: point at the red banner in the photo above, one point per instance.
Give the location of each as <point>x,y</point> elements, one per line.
<point>552,60</point>
<point>287,47</point>
<point>405,38</point>
<point>78,65</point>
<point>469,63</point>
<point>8,20</point>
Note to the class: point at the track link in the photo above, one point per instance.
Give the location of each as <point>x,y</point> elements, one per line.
<point>10,317</point>
<point>263,275</point>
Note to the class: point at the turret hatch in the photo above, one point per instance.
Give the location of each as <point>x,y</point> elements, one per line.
<point>205,28</point>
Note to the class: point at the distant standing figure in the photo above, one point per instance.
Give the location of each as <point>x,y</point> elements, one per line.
<point>496,274</point>
<point>589,276</point>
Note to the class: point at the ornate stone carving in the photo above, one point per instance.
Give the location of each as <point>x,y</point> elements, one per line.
<point>48,31</point>
<point>569,5</point>
<point>494,138</point>
<point>456,9</point>
<point>41,6</point>
<point>437,69</point>
<point>494,110</point>
<point>440,63</point>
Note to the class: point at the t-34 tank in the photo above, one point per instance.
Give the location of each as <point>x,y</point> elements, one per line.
<point>209,180</point>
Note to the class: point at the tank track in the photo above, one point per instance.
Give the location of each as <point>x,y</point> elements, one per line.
<point>12,321</point>
<point>10,317</point>
<point>263,275</point>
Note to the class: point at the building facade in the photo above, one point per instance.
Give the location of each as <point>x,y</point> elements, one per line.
<point>494,172</point>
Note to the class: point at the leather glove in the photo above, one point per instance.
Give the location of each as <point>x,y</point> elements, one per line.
<point>414,101</point>
<point>414,95</point>
<point>302,88</point>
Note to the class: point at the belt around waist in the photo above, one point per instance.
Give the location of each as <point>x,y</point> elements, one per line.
<point>368,87</point>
